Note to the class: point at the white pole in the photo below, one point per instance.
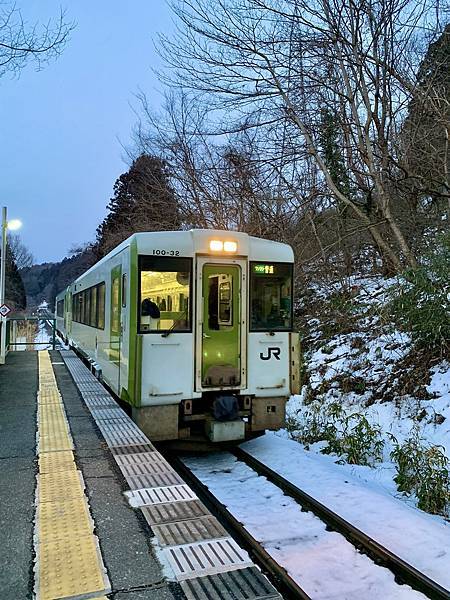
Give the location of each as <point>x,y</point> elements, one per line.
<point>2,286</point>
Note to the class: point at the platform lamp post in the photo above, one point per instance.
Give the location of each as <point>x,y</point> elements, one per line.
<point>12,225</point>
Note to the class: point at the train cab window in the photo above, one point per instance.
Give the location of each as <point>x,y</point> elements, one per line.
<point>164,294</point>
<point>270,296</point>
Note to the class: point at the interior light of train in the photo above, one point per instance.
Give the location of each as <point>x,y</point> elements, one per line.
<point>230,246</point>
<point>216,245</point>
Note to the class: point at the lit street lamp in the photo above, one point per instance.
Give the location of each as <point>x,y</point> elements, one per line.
<point>13,225</point>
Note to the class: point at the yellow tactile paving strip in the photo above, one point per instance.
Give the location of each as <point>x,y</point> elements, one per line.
<point>68,559</point>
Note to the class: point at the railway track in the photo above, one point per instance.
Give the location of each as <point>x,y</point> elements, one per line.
<point>381,556</point>
<point>279,577</point>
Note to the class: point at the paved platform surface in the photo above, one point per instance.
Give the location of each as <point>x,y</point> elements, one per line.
<point>125,538</point>
<point>101,510</point>
<point>18,466</point>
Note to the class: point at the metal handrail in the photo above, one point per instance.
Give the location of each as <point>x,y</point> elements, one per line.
<point>50,320</point>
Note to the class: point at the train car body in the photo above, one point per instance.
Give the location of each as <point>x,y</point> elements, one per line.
<point>192,329</point>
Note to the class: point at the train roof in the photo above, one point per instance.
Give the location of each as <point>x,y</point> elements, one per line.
<point>196,241</point>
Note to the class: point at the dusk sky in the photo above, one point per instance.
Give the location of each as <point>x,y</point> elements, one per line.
<point>62,127</point>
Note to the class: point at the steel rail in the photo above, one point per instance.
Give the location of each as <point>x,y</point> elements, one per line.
<point>287,587</point>
<point>404,571</point>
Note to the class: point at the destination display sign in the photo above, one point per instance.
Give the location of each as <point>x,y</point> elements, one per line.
<point>264,269</point>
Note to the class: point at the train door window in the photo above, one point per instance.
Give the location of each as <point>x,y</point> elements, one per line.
<point>165,285</point>
<point>115,301</point>
<point>271,296</point>
<point>220,299</point>
<point>225,300</point>
<point>101,306</point>
<point>93,313</point>
<point>124,290</point>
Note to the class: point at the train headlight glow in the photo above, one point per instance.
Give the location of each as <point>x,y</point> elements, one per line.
<point>230,246</point>
<point>216,245</point>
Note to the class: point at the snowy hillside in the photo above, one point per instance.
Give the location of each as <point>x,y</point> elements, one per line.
<point>369,390</point>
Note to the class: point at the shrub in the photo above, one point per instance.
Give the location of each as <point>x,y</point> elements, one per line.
<point>350,436</point>
<point>312,425</point>
<point>423,470</point>
<point>356,440</point>
<point>421,300</point>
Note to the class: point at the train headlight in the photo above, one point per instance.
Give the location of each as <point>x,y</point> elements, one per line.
<point>230,246</point>
<point>219,246</point>
<point>216,245</point>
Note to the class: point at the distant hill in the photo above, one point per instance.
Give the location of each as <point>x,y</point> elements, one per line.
<point>44,281</point>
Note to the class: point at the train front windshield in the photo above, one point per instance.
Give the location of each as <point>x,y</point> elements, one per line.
<point>164,294</point>
<point>271,296</point>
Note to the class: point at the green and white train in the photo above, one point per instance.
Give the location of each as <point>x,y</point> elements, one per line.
<point>192,329</point>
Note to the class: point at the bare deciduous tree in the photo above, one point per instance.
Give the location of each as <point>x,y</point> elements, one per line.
<point>275,65</point>
<point>21,255</point>
<point>21,42</point>
<point>221,182</point>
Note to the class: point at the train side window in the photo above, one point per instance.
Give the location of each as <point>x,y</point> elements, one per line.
<point>271,296</point>
<point>101,306</point>
<point>164,291</point>
<point>87,306</point>
<point>60,308</point>
<point>80,307</point>
<point>93,314</point>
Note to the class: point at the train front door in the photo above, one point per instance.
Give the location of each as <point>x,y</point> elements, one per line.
<point>221,325</point>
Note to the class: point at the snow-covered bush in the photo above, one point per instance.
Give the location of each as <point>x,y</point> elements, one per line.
<point>421,299</point>
<point>423,470</point>
<point>358,441</point>
<point>349,435</point>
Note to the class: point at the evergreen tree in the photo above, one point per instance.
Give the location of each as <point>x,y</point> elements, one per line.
<point>15,295</point>
<point>143,201</point>
<point>427,128</point>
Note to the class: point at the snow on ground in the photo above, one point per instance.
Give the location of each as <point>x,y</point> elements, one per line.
<point>323,563</point>
<point>356,359</point>
<point>43,339</point>
<point>361,368</point>
<point>421,539</point>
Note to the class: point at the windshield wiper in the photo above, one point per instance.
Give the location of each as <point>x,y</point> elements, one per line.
<point>175,323</point>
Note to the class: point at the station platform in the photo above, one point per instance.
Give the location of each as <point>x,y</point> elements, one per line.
<point>90,509</point>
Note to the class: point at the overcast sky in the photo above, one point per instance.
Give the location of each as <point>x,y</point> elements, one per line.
<point>61,128</point>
